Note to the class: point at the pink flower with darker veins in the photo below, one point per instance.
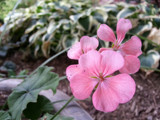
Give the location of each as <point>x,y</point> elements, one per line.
<point>95,71</point>
<point>130,49</point>
<point>86,44</point>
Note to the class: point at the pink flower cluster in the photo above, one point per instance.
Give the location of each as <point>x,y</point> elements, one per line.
<point>95,69</point>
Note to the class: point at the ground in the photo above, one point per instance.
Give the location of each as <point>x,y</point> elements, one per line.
<point>145,104</point>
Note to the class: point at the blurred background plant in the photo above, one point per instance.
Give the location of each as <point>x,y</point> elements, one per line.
<point>7,5</point>
<point>53,25</point>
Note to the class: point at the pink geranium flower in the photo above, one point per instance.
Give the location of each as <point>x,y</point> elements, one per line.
<point>94,71</point>
<point>130,49</point>
<point>86,44</point>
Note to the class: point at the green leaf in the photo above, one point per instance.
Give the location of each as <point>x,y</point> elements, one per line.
<point>54,26</point>
<point>68,41</point>
<point>142,28</point>
<point>124,13</point>
<point>30,29</point>
<point>29,89</point>
<point>76,17</point>
<point>49,116</point>
<point>85,22</point>
<point>34,110</point>
<point>37,35</point>
<point>151,59</point>
<point>40,23</point>
<point>100,15</point>
<point>23,72</point>
<point>4,115</point>
<point>111,7</point>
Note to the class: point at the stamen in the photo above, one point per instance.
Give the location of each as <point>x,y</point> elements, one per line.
<point>101,77</point>
<point>108,76</point>
<point>94,77</point>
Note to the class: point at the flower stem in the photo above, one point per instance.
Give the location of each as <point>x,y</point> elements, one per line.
<point>62,78</point>
<point>54,56</point>
<point>57,113</point>
<point>50,59</point>
<point>148,68</point>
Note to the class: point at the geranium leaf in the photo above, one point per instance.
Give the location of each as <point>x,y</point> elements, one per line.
<point>4,115</point>
<point>34,110</point>
<point>29,89</point>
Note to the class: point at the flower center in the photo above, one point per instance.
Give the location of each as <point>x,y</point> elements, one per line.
<point>101,77</point>
<point>115,46</point>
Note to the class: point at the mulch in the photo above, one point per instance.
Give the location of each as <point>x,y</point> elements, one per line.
<point>145,104</point>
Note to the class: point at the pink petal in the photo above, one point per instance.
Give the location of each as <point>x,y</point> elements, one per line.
<point>112,91</point>
<point>75,51</point>
<point>123,85</point>
<point>88,43</point>
<point>123,26</point>
<point>132,47</point>
<point>111,62</point>
<point>104,99</point>
<point>103,49</point>
<point>131,64</point>
<point>82,85</point>
<point>90,62</point>
<point>72,70</point>
<point>106,33</point>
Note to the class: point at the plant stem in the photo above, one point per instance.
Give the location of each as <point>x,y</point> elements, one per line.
<point>148,68</point>
<point>55,115</point>
<point>146,39</point>
<point>50,59</point>
<point>54,56</point>
<point>62,78</point>
<point>150,41</point>
<point>18,2</point>
<point>58,101</point>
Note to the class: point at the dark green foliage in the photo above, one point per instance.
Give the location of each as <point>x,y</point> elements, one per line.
<point>54,25</point>
<point>4,115</point>
<point>29,89</point>
<point>35,110</point>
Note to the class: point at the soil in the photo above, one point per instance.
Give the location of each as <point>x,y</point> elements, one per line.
<point>145,104</point>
